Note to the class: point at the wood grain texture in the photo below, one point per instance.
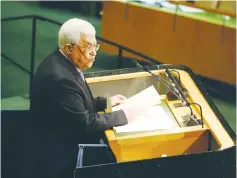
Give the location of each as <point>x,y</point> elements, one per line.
<point>171,39</point>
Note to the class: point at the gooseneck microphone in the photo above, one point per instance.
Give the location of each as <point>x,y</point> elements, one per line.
<point>177,87</point>
<point>145,68</point>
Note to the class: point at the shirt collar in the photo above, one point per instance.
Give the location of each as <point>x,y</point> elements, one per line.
<point>69,60</point>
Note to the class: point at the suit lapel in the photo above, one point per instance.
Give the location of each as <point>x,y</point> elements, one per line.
<point>76,74</point>
<point>95,107</point>
<point>88,88</point>
<point>81,82</point>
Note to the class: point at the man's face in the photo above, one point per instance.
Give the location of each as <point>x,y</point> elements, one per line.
<point>84,52</point>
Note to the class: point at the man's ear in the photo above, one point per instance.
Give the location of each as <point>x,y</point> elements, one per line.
<point>68,48</point>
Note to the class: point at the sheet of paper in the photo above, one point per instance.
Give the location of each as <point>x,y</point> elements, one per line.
<point>155,119</point>
<point>147,97</point>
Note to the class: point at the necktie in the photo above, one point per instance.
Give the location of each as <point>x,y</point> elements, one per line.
<point>82,76</point>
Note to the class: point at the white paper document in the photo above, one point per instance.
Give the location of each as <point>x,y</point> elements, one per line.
<point>155,119</point>
<point>147,97</point>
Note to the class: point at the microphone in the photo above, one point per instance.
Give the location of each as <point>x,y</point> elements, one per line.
<point>177,86</point>
<point>178,89</point>
<point>145,68</point>
<point>136,63</point>
<point>193,119</point>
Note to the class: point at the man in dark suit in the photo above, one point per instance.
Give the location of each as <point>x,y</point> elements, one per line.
<point>63,109</point>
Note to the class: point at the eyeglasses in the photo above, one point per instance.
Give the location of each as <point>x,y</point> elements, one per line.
<point>89,48</point>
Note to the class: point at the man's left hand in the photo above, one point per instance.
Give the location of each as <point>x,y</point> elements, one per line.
<point>117,99</point>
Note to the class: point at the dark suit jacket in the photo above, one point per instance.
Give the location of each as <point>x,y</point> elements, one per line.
<point>63,114</point>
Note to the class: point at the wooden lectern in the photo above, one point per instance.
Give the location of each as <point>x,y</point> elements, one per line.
<point>181,139</point>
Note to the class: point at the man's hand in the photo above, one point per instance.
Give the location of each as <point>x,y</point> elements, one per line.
<point>117,99</point>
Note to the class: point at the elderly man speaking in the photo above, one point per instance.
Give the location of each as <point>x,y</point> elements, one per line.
<point>63,110</point>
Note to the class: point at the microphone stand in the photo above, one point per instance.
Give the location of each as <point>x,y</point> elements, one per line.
<point>186,102</point>
<point>175,84</point>
<point>145,68</point>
